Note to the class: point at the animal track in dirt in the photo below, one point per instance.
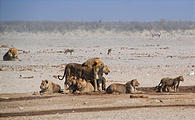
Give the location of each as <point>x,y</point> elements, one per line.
<point>148,90</point>
<point>81,110</point>
<point>24,98</point>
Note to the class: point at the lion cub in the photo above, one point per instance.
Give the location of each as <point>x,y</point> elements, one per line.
<point>167,83</point>
<point>11,55</point>
<point>48,87</point>
<point>129,87</point>
<point>84,86</point>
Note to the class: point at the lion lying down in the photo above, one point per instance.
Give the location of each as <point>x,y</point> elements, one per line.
<point>129,87</point>
<point>84,86</point>
<point>48,87</point>
<point>79,85</point>
<point>11,55</point>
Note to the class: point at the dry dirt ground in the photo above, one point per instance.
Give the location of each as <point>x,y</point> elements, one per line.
<point>134,56</point>
<point>150,105</point>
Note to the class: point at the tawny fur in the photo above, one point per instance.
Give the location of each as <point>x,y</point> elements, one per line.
<point>48,87</point>
<point>167,83</point>
<point>93,62</point>
<point>98,64</point>
<point>84,86</point>
<point>129,87</point>
<point>11,55</point>
<point>91,74</point>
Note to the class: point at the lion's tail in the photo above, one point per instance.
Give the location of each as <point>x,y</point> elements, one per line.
<point>160,83</point>
<point>63,75</point>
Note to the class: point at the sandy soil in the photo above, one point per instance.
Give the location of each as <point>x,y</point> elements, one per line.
<point>135,55</point>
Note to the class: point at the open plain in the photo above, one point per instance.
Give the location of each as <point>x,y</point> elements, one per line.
<point>135,55</point>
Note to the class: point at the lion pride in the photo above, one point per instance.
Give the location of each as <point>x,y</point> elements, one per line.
<point>79,71</point>
<point>92,74</point>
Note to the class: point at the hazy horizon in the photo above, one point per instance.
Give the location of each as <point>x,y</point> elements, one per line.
<point>95,10</point>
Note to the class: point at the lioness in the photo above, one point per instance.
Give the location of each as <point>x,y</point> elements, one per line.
<point>48,87</point>
<point>72,85</point>
<point>11,55</point>
<point>101,68</point>
<point>129,87</point>
<point>93,62</point>
<point>84,86</point>
<point>167,83</point>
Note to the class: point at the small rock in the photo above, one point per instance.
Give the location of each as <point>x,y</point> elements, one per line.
<point>161,101</point>
<point>158,100</point>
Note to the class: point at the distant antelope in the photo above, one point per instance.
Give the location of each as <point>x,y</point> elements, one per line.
<point>68,51</point>
<point>155,34</point>
<point>109,51</point>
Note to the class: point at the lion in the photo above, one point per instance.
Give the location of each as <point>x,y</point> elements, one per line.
<point>48,87</point>
<point>167,83</point>
<point>98,82</point>
<point>79,71</point>
<point>129,87</point>
<point>72,85</point>
<point>92,74</point>
<point>84,86</point>
<point>93,62</point>
<point>101,82</point>
<point>98,64</point>
<point>11,55</point>
<point>71,70</point>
